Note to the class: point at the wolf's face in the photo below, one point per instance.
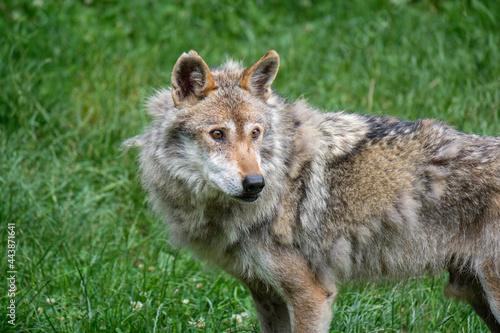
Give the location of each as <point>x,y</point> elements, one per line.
<point>223,122</point>
<point>226,146</point>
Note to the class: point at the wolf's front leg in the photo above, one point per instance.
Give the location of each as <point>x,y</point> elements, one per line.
<point>303,303</point>
<point>272,310</point>
<point>310,303</point>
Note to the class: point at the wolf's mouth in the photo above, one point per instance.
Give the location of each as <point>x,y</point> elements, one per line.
<point>248,198</point>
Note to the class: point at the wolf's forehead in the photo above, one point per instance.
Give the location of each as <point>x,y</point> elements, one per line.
<point>231,106</point>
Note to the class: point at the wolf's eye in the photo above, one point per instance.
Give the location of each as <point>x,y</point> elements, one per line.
<point>255,133</point>
<point>217,134</point>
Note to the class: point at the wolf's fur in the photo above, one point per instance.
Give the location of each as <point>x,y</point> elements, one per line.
<point>346,197</point>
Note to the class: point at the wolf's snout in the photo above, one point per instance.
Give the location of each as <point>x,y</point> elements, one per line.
<point>253,184</point>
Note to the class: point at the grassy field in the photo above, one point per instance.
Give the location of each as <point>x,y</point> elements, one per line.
<point>74,75</point>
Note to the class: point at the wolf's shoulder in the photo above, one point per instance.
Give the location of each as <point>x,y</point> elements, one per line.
<point>386,127</point>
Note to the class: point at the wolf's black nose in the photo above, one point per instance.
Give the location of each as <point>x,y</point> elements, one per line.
<point>253,184</point>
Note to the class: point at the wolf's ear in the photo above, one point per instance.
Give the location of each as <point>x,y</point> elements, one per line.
<point>257,79</point>
<point>191,79</point>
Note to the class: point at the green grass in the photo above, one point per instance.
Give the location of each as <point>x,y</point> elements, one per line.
<point>73,79</point>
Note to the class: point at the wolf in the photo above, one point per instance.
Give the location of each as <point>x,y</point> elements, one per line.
<point>292,201</point>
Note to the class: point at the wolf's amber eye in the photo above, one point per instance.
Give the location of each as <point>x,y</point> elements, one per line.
<point>255,133</point>
<point>216,134</point>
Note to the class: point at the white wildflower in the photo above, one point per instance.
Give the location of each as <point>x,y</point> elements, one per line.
<point>136,306</point>
<point>236,318</point>
<point>198,323</point>
<point>38,3</point>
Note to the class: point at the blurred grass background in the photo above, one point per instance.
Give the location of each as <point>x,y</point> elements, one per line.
<point>73,79</point>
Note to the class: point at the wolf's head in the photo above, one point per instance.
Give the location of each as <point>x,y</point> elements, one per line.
<point>210,134</point>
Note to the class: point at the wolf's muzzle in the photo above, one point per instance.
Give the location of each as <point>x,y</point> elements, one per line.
<point>252,186</point>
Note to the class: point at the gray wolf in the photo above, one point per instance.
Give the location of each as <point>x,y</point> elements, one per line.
<point>291,201</point>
